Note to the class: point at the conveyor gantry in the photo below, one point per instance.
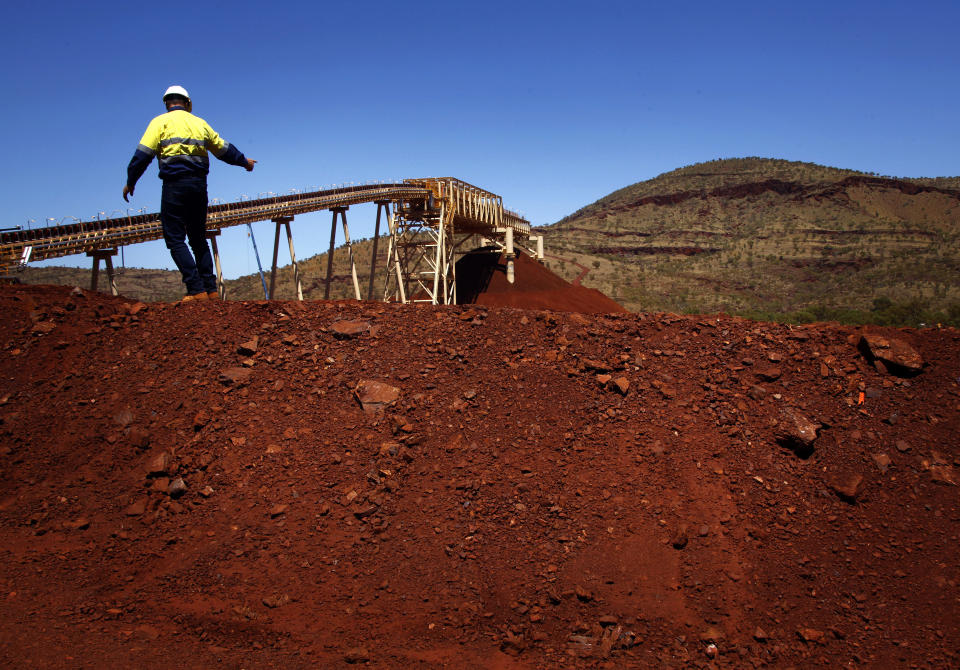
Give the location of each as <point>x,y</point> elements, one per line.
<point>431,219</point>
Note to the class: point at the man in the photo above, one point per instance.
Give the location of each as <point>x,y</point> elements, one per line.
<point>181,140</point>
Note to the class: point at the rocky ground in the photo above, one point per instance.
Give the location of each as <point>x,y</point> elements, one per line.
<point>327,484</point>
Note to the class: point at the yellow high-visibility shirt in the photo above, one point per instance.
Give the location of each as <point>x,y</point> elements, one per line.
<point>181,141</point>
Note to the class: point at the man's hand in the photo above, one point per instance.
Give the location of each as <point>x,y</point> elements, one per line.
<point>128,190</point>
<point>248,166</point>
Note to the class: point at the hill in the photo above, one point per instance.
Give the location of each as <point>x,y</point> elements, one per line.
<point>325,484</point>
<point>138,283</point>
<point>772,238</point>
<point>313,273</point>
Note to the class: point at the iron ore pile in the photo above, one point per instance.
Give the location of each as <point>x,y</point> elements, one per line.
<point>358,484</point>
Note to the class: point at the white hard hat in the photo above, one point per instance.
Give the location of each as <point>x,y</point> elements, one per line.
<point>176,90</point>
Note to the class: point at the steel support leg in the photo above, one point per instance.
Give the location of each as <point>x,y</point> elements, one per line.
<point>256,253</point>
<point>438,261</point>
<point>510,254</point>
<point>353,265</point>
<point>450,267</point>
<point>333,239</point>
<point>394,262</point>
<point>293,259</point>
<point>110,275</point>
<point>401,287</point>
<point>107,256</point>
<point>212,235</point>
<point>95,271</point>
<point>273,266</point>
<point>381,205</point>
<point>285,222</point>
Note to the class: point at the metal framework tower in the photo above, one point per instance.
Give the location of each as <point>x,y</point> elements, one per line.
<point>427,237</point>
<point>420,259</point>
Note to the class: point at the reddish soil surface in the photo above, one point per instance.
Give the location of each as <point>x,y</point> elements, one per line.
<point>538,490</point>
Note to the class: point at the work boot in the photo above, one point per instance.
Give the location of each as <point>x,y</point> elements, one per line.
<point>213,295</point>
<point>194,296</point>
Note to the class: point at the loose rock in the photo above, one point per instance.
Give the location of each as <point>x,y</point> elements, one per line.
<point>847,486</point>
<point>810,635</point>
<point>797,432</point>
<point>356,655</point>
<point>248,348</point>
<point>768,373</point>
<point>899,358</point>
<point>235,376</point>
<point>276,601</point>
<point>348,330</point>
<point>375,396</point>
<point>159,464</point>
<point>943,474</point>
<point>177,488</point>
<point>620,384</point>
<point>882,461</point>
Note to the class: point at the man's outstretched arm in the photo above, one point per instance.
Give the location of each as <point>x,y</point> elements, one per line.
<point>227,152</point>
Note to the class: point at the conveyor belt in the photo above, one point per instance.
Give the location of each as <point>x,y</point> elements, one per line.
<point>468,207</point>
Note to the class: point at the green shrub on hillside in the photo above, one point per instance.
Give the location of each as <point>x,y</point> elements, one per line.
<point>913,313</point>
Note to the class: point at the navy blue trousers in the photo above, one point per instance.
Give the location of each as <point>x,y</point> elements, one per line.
<point>183,213</point>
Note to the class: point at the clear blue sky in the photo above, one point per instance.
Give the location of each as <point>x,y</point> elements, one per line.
<point>550,104</point>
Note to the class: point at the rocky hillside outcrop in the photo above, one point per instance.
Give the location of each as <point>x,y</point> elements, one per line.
<point>759,236</point>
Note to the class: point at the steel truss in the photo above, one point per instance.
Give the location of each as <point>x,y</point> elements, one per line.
<point>419,267</point>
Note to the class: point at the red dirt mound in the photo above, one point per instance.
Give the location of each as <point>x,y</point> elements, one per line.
<point>482,280</point>
<point>304,485</point>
